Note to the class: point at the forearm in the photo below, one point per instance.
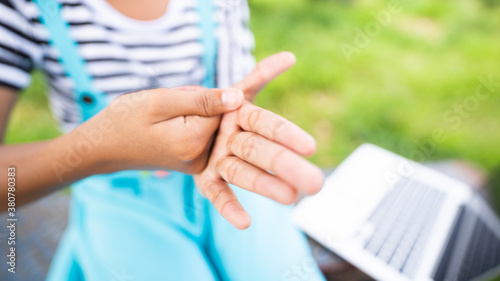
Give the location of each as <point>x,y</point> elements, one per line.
<point>43,167</point>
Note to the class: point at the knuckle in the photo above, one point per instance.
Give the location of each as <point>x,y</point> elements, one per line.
<point>248,148</point>
<point>230,142</point>
<point>232,170</point>
<point>257,185</point>
<point>204,102</point>
<point>253,118</point>
<point>224,167</point>
<point>212,192</point>
<point>219,165</point>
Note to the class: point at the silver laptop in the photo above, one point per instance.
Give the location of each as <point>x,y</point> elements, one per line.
<point>396,219</point>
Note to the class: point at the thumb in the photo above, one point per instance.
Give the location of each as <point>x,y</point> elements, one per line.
<point>199,101</point>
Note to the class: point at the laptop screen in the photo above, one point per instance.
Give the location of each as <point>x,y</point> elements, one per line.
<point>472,250</point>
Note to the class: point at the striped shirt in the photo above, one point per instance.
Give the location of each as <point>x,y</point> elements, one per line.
<point>122,54</point>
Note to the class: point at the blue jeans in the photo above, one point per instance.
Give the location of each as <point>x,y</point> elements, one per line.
<point>134,226</point>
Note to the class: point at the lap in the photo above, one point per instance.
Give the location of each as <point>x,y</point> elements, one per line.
<point>114,235</point>
<point>171,232</point>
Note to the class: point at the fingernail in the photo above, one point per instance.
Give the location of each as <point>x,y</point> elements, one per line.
<point>231,98</point>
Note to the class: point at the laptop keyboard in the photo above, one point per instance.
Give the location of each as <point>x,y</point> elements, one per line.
<point>398,228</point>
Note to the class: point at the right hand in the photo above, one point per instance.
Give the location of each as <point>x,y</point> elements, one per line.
<point>251,143</point>
<point>159,129</point>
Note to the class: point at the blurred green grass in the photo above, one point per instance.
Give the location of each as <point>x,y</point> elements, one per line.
<point>31,119</point>
<point>392,93</point>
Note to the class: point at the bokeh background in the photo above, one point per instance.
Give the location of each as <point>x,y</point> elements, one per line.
<point>393,88</point>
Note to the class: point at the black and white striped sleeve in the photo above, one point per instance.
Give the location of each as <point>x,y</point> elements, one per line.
<point>18,48</point>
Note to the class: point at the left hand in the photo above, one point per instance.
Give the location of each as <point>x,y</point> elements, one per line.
<point>252,141</point>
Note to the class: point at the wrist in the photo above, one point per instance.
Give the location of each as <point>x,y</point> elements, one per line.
<point>87,147</point>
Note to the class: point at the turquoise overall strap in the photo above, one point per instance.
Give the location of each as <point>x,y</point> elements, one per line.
<point>88,98</point>
<point>209,42</point>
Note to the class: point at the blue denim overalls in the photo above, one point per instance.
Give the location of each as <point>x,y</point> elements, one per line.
<point>134,225</point>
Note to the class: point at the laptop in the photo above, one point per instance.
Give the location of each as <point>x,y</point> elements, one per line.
<point>396,219</point>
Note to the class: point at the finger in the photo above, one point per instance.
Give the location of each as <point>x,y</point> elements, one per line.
<point>188,88</point>
<point>276,128</point>
<point>204,102</point>
<point>242,174</point>
<point>264,72</point>
<point>226,203</point>
<point>285,164</point>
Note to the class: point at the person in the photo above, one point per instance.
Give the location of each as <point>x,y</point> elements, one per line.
<point>137,213</point>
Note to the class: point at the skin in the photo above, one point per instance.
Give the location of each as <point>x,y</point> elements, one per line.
<point>144,10</point>
<point>187,129</point>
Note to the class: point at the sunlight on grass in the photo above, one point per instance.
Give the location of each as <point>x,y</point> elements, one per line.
<point>396,90</point>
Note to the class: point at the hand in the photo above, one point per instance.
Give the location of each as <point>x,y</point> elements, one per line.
<point>161,128</point>
<point>252,141</point>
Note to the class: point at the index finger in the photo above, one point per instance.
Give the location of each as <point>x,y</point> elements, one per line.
<point>264,72</point>
<point>276,128</point>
